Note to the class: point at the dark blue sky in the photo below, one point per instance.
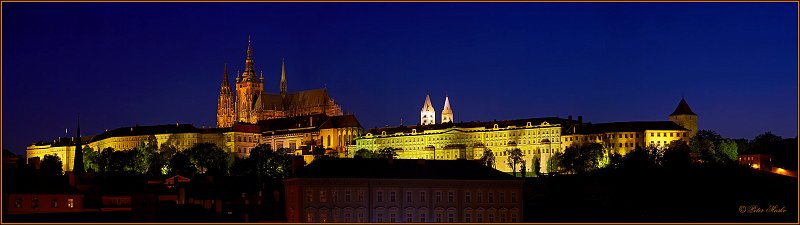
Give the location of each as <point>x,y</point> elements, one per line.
<point>121,64</point>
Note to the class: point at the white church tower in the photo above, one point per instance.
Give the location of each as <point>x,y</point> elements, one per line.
<point>428,114</point>
<point>447,113</point>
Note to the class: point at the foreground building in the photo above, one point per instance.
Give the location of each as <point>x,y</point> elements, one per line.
<point>334,132</point>
<point>405,191</point>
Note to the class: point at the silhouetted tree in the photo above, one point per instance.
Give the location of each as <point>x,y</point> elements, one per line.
<point>271,164</point>
<point>537,165</point>
<point>514,157</point>
<point>387,153</point>
<point>554,162</point>
<point>180,163</point>
<point>705,144</point>
<point>523,169</point>
<point>51,165</point>
<point>363,153</point>
<point>582,158</point>
<point>318,151</point>
<point>488,158</point>
<point>90,157</point>
<point>729,151</point>
<point>677,155</point>
<point>209,158</point>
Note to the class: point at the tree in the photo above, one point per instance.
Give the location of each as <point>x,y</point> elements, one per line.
<point>677,155</point>
<point>387,153</point>
<point>514,157</point>
<point>705,144</point>
<point>729,151</point>
<point>51,165</point>
<point>537,165</point>
<point>209,158</point>
<point>271,164</point>
<point>363,153</point>
<point>523,169</point>
<point>554,163</point>
<point>318,151</point>
<point>488,158</point>
<point>104,160</point>
<point>90,157</point>
<point>582,158</point>
<point>180,164</point>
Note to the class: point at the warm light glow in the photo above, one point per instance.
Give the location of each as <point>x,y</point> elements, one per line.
<point>755,166</point>
<point>780,171</point>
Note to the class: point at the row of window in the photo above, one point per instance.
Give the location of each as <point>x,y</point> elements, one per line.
<point>470,216</point>
<point>393,197</point>
<point>53,203</point>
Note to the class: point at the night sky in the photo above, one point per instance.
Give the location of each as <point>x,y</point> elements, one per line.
<point>122,64</point>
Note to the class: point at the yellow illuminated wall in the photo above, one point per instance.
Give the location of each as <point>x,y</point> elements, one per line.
<point>539,140</point>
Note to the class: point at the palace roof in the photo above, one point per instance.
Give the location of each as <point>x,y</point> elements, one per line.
<point>400,169</point>
<point>483,124</point>
<point>310,122</point>
<point>300,99</point>
<point>636,126</point>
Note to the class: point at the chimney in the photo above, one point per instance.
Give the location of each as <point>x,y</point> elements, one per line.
<point>569,117</point>
<point>580,119</point>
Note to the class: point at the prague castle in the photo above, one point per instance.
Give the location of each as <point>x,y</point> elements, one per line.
<point>250,103</point>
<point>244,120</point>
<point>535,137</point>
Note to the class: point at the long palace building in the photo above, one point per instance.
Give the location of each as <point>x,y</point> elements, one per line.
<point>535,137</point>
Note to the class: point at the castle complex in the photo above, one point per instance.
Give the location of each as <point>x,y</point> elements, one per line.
<point>248,116</point>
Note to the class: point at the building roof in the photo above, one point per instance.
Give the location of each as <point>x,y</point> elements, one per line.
<point>148,130</point>
<point>400,169</point>
<point>300,99</point>
<point>635,126</point>
<point>304,123</point>
<point>484,124</point>
<point>682,109</point>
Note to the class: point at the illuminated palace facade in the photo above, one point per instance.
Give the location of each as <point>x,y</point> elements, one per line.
<point>535,137</point>
<point>333,132</point>
<point>249,103</point>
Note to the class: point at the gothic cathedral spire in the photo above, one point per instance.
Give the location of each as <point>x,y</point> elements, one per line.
<point>225,110</point>
<point>283,78</point>
<point>447,113</point>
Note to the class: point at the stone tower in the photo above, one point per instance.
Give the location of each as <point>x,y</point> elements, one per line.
<point>248,88</point>
<point>684,116</point>
<point>225,111</point>
<point>447,113</point>
<point>428,114</point>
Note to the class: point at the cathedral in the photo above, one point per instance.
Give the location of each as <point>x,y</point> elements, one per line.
<point>249,103</point>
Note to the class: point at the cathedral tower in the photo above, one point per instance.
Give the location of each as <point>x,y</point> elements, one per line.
<point>428,114</point>
<point>225,111</point>
<point>447,113</point>
<point>684,116</point>
<point>248,89</point>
